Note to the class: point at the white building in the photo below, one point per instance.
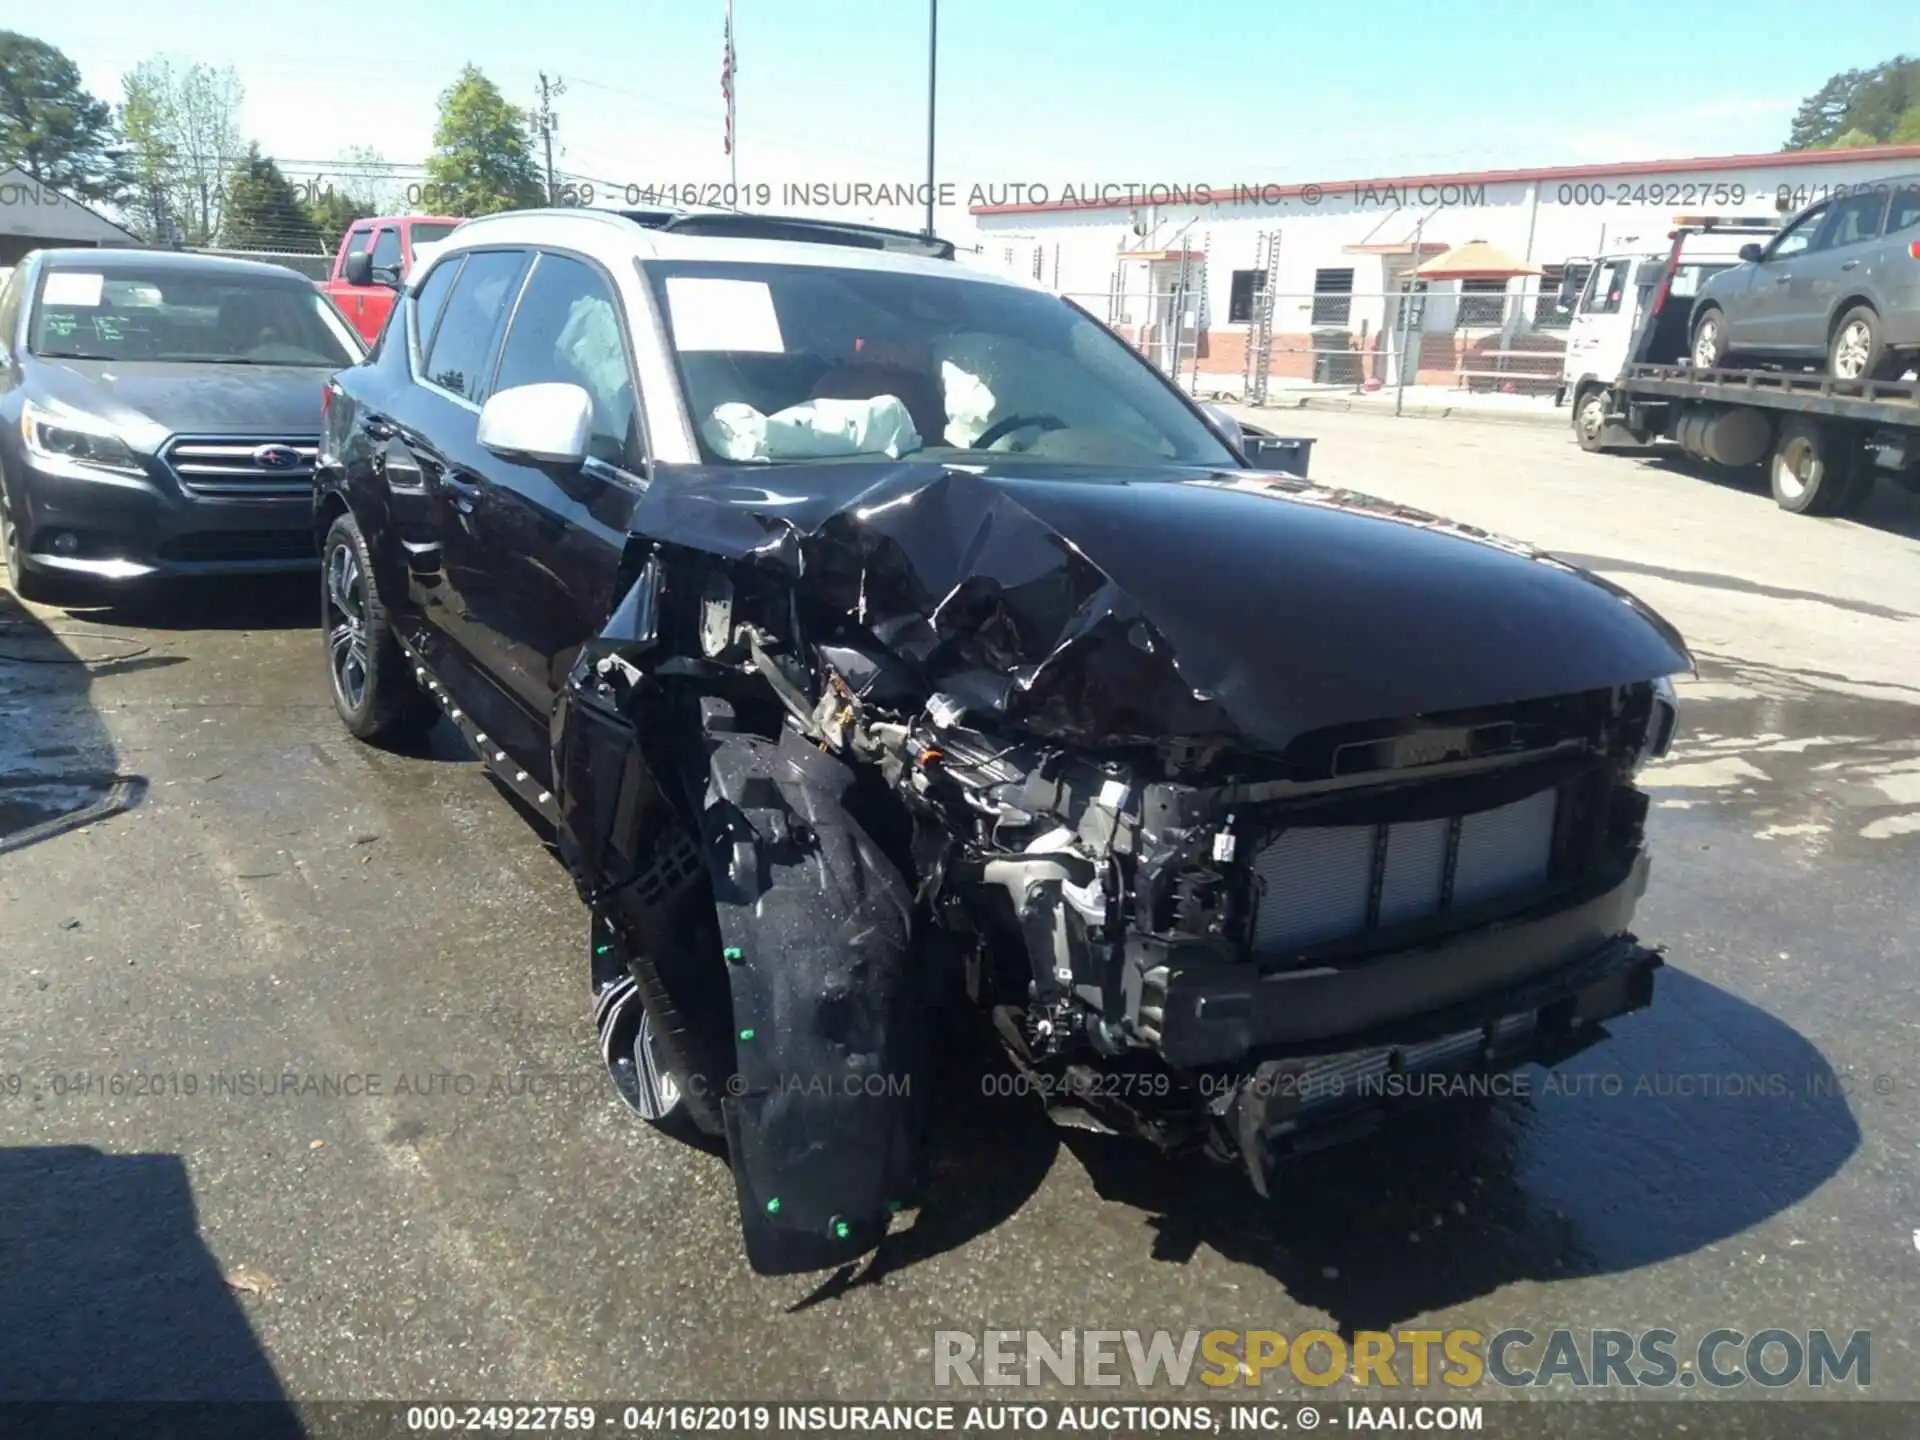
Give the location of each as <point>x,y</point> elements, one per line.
<point>1140,256</point>
<point>35,216</point>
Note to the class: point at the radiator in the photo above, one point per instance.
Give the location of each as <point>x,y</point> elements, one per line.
<point>1315,884</point>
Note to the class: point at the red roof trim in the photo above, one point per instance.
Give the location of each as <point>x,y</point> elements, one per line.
<point>1332,188</point>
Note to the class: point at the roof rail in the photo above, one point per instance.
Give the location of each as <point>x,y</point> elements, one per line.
<point>739,225</point>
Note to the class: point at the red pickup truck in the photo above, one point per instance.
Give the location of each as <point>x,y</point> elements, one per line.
<point>364,290</point>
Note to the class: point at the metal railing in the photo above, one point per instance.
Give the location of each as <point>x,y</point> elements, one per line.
<point>1510,341</point>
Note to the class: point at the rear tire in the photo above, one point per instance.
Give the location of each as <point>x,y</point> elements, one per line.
<point>1857,351</point>
<point>373,687</point>
<point>1814,469</point>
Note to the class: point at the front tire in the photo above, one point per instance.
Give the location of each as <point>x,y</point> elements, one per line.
<point>1709,348</point>
<point>1590,418</point>
<point>27,584</point>
<point>373,687</point>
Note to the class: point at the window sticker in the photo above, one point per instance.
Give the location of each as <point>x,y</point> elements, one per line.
<point>72,287</point>
<point>723,315</point>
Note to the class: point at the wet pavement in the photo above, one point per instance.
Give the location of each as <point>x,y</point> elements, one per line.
<point>298,1093</point>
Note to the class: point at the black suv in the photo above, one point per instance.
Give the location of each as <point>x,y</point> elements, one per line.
<point>880,636</point>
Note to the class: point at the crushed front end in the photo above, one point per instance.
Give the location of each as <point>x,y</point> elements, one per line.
<point>1273,953</point>
<point>905,732</point>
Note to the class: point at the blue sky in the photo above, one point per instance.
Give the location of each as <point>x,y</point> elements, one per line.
<point>1213,91</point>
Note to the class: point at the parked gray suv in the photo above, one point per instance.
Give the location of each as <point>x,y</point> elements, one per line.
<point>1839,283</point>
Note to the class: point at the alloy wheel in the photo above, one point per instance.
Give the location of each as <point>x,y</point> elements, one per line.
<point>347,626</point>
<point>1706,345</point>
<point>658,1084</point>
<point>1851,348</point>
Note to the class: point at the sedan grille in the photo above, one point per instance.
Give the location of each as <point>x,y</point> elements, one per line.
<point>1319,884</point>
<point>232,467</point>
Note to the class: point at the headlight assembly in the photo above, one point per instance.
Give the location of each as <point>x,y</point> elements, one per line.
<point>73,435</point>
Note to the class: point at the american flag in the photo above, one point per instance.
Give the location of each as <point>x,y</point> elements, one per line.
<point>726,78</point>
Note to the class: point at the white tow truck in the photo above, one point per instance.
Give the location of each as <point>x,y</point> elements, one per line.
<point>1631,384</point>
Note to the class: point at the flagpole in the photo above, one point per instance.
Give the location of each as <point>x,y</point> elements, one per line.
<point>728,66</point>
<point>933,44</point>
<point>733,106</point>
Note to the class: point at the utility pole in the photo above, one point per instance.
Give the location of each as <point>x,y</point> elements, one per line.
<point>548,122</point>
<point>933,50</point>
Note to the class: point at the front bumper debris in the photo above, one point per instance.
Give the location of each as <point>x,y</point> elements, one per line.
<point>1307,1102</point>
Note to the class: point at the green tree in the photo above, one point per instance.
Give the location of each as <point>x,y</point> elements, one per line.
<point>363,175</point>
<point>333,214</point>
<point>482,159</point>
<point>1873,104</point>
<point>183,135</point>
<point>51,127</point>
<point>263,210</point>
<point>1907,132</point>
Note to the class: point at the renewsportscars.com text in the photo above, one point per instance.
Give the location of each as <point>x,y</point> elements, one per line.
<point>1653,1358</point>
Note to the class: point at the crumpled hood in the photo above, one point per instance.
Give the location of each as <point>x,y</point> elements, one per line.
<point>151,400</point>
<point>1133,606</point>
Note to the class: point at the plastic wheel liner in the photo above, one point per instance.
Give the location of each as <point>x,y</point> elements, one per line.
<point>816,925</point>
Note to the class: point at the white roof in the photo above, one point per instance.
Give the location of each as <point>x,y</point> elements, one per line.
<point>39,212</point>
<point>613,239</point>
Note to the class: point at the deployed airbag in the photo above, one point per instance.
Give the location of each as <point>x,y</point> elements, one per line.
<point>813,430</point>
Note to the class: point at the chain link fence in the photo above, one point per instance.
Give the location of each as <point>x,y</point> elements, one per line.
<point>314,267</point>
<point>1471,336</point>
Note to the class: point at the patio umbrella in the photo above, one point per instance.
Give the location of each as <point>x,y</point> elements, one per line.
<point>1475,260</point>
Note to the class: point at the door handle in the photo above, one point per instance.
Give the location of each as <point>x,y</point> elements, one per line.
<point>374,428</point>
<point>463,490</point>
<point>1851,265</point>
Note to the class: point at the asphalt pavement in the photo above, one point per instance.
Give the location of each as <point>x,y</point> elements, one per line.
<point>298,1095</point>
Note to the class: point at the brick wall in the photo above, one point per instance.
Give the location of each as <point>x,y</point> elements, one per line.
<point>1442,357</point>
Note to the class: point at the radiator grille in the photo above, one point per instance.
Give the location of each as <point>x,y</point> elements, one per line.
<point>234,467</point>
<point>1316,884</point>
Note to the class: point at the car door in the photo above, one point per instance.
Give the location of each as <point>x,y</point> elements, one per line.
<point>352,299</point>
<point>1602,326</point>
<point>432,466</point>
<point>1780,287</point>
<point>1898,259</point>
<point>1838,265</point>
<point>388,264</point>
<point>556,535</point>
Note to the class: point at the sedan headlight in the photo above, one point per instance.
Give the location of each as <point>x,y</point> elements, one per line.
<point>74,435</point>
<point>1663,718</point>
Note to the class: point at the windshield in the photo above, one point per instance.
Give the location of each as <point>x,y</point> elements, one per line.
<point>783,363</point>
<point>186,315</point>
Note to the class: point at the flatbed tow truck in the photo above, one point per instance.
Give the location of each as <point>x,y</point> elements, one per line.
<point>1825,442</point>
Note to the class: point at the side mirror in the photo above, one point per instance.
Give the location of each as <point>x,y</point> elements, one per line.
<point>387,275</point>
<point>1280,452</point>
<point>359,268</point>
<point>1225,424</point>
<point>1751,252</point>
<point>547,423</point>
